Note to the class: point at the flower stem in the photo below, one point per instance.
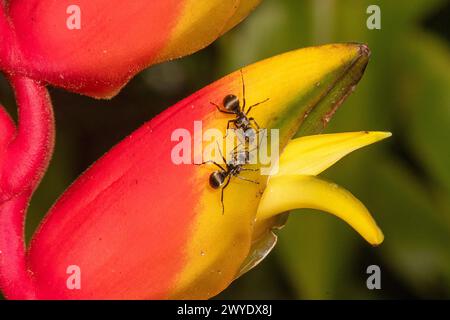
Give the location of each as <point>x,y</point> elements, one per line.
<point>15,279</point>
<point>25,160</point>
<point>29,152</point>
<point>6,37</point>
<point>7,129</point>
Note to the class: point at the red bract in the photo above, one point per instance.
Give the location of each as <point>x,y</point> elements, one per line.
<point>113,40</point>
<point>116,39</point>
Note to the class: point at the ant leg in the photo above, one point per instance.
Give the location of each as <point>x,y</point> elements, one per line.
<point>243,91</point>
<point>220,110</point>
<point>210,161</point>
<point>223,158</point>
<point>221,194</point>
<point>255,148</point>
<point>234,149</point>
<point>251,119</point>
<point>228,126</point>
<point>248,180</point>
<point>256,104</point>
<point>254,130</point>
<point>215,163</point>
<point>236,154</point>
<point>240,139</point>
<point>249,169</point>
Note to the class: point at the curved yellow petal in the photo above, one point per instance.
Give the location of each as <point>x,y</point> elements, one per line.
<point>210,18</point>
<point>284,193</point>
<point>244,9</point>
<point>311,155</point>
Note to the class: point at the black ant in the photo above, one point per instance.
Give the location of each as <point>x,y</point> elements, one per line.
<point>232,105</point>
<point>221,178</point>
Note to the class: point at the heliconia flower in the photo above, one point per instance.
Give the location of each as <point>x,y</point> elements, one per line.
<point>90,47</point>
<point>96,47</point>
<point>139,226</point>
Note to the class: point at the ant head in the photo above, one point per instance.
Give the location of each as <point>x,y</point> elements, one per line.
<point>231,103</point>
<point>216,179</point>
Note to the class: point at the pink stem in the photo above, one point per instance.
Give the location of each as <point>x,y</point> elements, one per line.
<point>7,130</point>
<point>7,126</point>
<point>15,279</point>
<point>29,153</point>
<point>26,159</point>
<point>6,37</point>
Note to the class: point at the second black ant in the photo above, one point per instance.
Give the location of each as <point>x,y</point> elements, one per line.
<point>232,105</point>
<point>221,178</point>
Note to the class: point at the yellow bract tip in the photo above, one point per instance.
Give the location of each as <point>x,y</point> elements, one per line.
<point>284,193</point>
<point>311,155</point>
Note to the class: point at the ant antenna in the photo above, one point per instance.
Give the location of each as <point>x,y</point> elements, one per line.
<point>219,109</point>
<point>243,90</point>
<point>243,97</point>
<point>256,104</point>
<point>248,180</point>
<point>221,194</point>
<point>220,152</point>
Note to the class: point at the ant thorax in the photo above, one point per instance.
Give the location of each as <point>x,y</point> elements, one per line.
<point>242,121</point>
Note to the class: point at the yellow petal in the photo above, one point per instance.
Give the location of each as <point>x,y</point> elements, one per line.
<point>210,18</point>
<point>284,193</point>
<point>311,155</point>
<point>244,9</point>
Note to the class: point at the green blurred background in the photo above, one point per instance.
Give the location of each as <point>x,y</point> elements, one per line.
<point>404,181</point>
